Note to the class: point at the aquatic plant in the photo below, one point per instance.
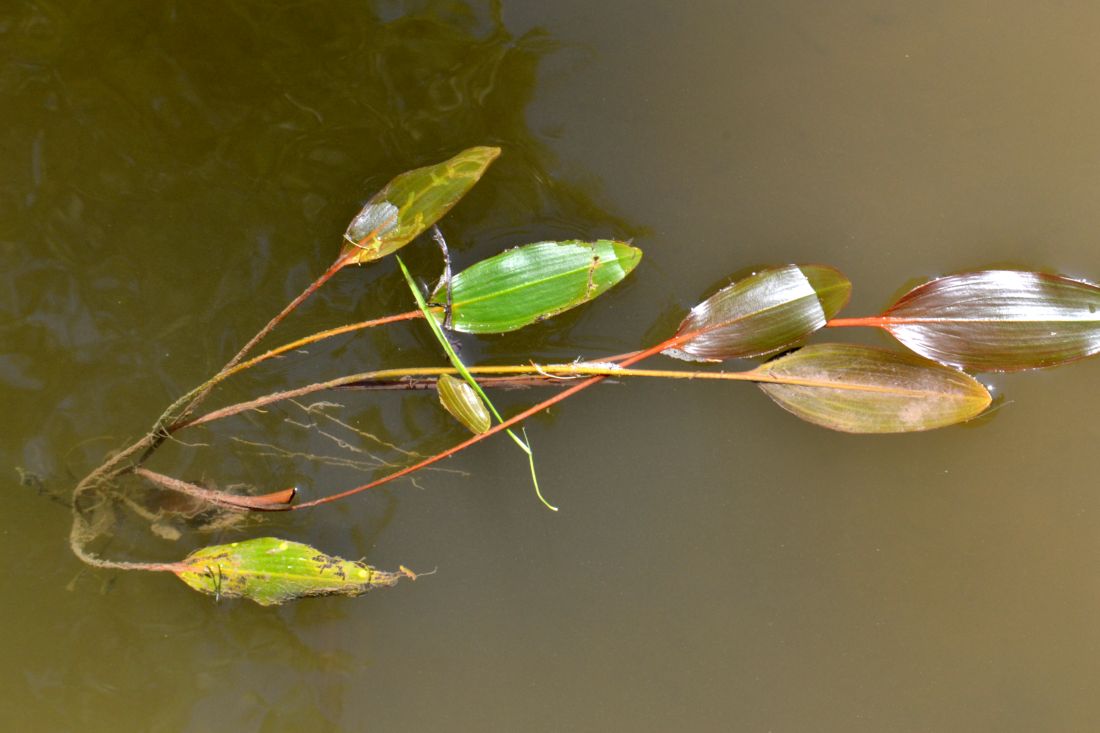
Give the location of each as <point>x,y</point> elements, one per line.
<point>994,320</point>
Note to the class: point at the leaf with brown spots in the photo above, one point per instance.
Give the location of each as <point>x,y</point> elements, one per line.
<point>411,203</point>
<point>271,571</point>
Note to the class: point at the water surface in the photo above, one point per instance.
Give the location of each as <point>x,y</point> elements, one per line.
<point>173,173</point>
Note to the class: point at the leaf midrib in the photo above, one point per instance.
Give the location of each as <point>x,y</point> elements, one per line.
<point>532,283</point>
<point>815,294</point>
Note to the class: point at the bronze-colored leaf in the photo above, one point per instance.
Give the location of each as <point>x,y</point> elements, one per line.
<point>770,311</point>
<point>998,320</point>
<point>859,389</point>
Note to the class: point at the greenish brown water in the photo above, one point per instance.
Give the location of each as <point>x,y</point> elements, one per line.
<point>171,174</point>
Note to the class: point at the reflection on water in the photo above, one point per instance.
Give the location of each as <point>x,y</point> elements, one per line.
<point>172,173</point>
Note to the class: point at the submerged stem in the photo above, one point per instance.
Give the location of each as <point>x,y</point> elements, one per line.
<point>263,332</point>
<point>530,371</point>
<point>221,376</point>
<point>314,338</point>
<point>639,356</point>
<point>277,499</point>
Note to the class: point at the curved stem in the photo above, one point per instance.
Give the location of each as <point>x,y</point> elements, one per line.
<point>312,288</point>
<point>228,372</point>
<point>199,393</point>
<point>178,411</point>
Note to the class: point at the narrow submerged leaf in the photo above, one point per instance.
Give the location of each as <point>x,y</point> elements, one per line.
<point>411,203</point>
<point>456,362</point>
<point>270,571</point>
<point>998,320</point>
<point>859,389</point>
<point>767,312</point>
<point>464,404</point>
<point>536,281</point>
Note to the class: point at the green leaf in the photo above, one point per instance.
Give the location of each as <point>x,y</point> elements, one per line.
<point>270,571</point>
<point>531,283</point>
<point>411,203</point>
<point>998,320</point>
<point>859,389</point>
<point>464,404</point>
<point>770,311</point>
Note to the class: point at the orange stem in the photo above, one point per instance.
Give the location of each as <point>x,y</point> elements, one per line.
<point>870,321</point>
<point>306,340</point>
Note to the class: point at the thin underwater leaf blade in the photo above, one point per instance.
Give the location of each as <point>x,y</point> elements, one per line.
<point>464,404</point>
<point>412,202</point>
<point>456,362</point>
<point>860,389</point>
<point>533,282</point>
<point>271,571</point>
<point>998,320</point>
<point>767,312</point>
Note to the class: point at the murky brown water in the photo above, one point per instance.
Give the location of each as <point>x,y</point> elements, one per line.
<point>172,173</point>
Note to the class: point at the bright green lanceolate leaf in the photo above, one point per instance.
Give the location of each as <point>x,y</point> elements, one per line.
<point>534,282</point>
<point>772,310</point>
<point>860,389</point>
<point>998,320</point>
<point>411,203</point>
<point>270,571</point>
<point>464,404</point>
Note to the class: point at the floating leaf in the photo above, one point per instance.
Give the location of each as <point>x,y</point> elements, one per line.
<point>270,571</point>
<point>998,320</point>
<point>464,404</point>
<point>767,312</point>
<point>531,283</point>
<point>859,389</point>
<point>411,203</point>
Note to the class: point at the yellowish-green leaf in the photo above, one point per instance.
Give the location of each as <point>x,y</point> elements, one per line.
<point>270,571</point>
<point>534,282</point>
<point>411,203</point>
<point>859,389</point>
<point>464,404</point>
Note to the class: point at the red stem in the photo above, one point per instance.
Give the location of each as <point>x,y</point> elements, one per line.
<point>313,288</point>
<point>633,359</point>
<point>189,407</point>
